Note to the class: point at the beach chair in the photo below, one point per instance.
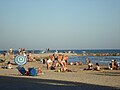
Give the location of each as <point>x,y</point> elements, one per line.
<point>22,70</point>
<point>32,71</point>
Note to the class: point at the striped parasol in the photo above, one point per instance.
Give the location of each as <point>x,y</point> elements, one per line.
<point>20,60</point>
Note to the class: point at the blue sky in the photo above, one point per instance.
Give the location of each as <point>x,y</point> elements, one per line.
<point>60,24</point>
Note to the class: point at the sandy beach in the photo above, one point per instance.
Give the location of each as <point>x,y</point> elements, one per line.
<point>49,79</point>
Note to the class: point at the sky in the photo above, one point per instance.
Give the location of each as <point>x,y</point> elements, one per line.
<point>60,24</point>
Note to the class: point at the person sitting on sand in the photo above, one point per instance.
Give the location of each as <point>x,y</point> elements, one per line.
<point>97,68</point>
<point>49,63</point>
<point>56,62</point>
<point>34,59</point>
<point>90,66</point>
<point>60,58</point>
<point>29,57</point>
<point>80,63</point>
<point>9,65</point>
<point>116,64</point>
<point>71,63</point>
<point>113,65</point>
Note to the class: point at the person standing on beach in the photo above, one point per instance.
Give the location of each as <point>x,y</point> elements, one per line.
<point>63,65</point>
<point>87,61</point>
<point>49,63</point>
<point>19,51</point>
<point>11,51</point>
<point>66,59</point>
<point>5,53</point>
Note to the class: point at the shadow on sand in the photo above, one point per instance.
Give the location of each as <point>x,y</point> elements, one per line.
<point>20,83</point>
<point>108,73</point>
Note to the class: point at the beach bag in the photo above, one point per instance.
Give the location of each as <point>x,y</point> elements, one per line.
<point>32,71</point>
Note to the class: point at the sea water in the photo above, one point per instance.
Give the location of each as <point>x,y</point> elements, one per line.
<point>103,60</point>
<point>75,51</point>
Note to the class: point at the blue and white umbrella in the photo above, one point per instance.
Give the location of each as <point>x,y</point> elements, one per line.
<point>20,60</point>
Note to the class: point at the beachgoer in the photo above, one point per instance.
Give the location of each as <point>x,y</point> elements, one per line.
<point>11,51</point>
<point>56,56</point>
<point>5,54</point>
<point>56,62</point>
<point>80,63</point>
<point>24,54</point>
<point>19,51</point>
<point>63,65</point>
<point>116,64</point>
<point>39,71</point>
<point>97,67</point>
<point>29,57</point>
<point>71,63</point>
<point>49,63</point>
<point>44,60</point>
<point>76,63</point>
<point>9,65</point>
<point>59,58</point>
<point>34,59</point>
<point>87,61</point>
<point>66,59</point>
<point>113,65</point>
<point>90,66</point>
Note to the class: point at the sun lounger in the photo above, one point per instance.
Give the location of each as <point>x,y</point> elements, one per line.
<point>32,72</point>
<point>22,70</point>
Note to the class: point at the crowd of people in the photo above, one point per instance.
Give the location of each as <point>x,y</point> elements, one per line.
<point>91,66</point>
<point>113,65</point>
<point>58,60</point>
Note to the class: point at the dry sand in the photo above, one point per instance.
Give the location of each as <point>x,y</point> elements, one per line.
<point>103,78</point>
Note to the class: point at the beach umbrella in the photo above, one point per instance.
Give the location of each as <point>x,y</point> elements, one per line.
<point>20,60</point>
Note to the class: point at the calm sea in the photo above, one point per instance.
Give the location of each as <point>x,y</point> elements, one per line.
<point>103,60</point>
<point>75,51</point>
